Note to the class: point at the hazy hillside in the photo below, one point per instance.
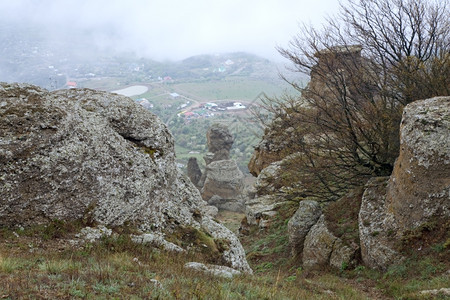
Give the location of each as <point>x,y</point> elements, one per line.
<point>28,55</point>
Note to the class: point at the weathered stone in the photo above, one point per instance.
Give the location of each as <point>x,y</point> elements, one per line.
<point>209,210</point>
<point>219,141</point>
<point>93,234</point>
<point>156,240</point>
<point>419,188</point>
<point>88,155</point>
<point>265,182</point>
<point>214,270</point>
<point>321,248</point>
<point>342,256</point>
<point>234,254</point>
<point>193,171</point>
<point>224,179</point>
<point>301,222</point>
<point>262,157</point>
<point>262,208</point>
<point>318,246</point>
<point>235,205</point>
<point>377,226</point>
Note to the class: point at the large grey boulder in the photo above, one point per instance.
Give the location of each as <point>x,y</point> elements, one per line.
<point>318,245</point>
<point>97,157</point>
<point>301,222</point>
<point>322,248</point>
<point>226,181</point>
<point>418,189</point>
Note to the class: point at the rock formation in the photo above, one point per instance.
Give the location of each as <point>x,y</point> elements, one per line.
<point>418,190</point>
<point>97,157</point>
<point>312,241</point>
<point>301,222</point>
<point>220,141</point>
<point>222,183</point>
<point>268,195</point>
<point>193,171</point>
<point>417,193</point>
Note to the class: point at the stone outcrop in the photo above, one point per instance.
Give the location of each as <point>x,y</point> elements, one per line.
<point>223,179</point>
<point>301,222</point>
<point>220,141</point>
<point>266,195</point>
<point>278,142</point>
<point>418,189</point>
<point>312,241</point>
<point>222,183</point>
<point>262,157</point>
<point>261,210</point>
<point>193,171</point>
<point>377,226</point>
<point>318,245</point>
<point>97,157</point>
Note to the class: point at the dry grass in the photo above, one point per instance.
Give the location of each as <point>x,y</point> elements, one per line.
<point>35,267</point>
<point>116,268</point>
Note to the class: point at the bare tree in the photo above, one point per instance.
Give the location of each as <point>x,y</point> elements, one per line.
<point>365,65</point>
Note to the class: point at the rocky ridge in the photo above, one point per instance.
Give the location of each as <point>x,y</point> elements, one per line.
<point>416,194</point>
<point>222,183</point>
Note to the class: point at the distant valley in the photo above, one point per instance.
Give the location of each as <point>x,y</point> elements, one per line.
<point>180,93</point>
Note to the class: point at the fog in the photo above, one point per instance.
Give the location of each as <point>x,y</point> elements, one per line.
<point>164,29</point>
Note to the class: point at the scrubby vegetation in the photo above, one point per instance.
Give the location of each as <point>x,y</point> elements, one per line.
<point>365,66</point>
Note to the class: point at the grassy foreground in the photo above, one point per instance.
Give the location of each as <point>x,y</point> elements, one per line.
<point>42,263</point>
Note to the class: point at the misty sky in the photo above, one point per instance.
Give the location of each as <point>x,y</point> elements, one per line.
<point>172,29</point>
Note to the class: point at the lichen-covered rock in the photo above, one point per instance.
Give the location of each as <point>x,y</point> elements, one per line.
<point>318,245</point>
<point>265,182</point>
<point>156,240</point>
<point>236,205</point>
<point>90,234</point>
<point>214,270</point>
<point>234,254</point>
<point>260,210</point>
<point>377,226</point>
<point>225,180</point>
<point>193,171</point>
<point>419,188</point>
<point>94,156</point>
<point>220,141</point>
<point>342,256</point>
<point>321,248</point>
<point>301,222</point>
<point>262,157</point>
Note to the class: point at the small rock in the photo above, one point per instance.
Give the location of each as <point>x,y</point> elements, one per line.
<point>215,270</point>
<point>442,291</point>
<point>157,240</point>
<point>93,234</point>
<point>157,284</point>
